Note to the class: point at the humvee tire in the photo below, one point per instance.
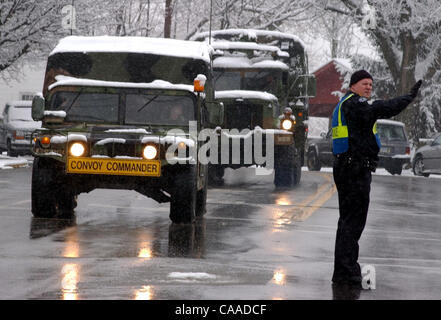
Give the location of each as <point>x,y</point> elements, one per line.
<point>50,196</point>
<point>201,198</point>
<point>287,167</point>
<point>183,198</point>
<point>216,175</point>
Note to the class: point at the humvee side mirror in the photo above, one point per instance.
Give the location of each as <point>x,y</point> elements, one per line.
<point>215,112</point>
<point>38,108</point>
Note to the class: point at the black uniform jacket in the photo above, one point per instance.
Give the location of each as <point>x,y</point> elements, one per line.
<point>361,116</point>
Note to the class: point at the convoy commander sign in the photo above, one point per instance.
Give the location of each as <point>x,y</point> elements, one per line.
<point>115,167</point>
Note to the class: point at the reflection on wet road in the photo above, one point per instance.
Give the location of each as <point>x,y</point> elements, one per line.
<point>255,242</point>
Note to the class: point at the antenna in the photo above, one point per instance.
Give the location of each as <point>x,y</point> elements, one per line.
<point>72,12</point>
<point>211,17</point>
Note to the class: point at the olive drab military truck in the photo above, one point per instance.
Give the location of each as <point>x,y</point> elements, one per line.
<point>266,61</point>
<point>122,113</point>
<point>251,121</point>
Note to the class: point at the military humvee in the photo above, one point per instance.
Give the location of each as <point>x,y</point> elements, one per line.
<point>254,120</point>
<point>122,113</point>
<point>267,61</point>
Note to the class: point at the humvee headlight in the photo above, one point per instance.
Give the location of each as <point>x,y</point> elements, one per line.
<point>150,152</point>
<point>77,149</point>
<point>287,124</point>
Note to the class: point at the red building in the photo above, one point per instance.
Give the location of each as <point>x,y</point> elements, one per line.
<point>329,79</point>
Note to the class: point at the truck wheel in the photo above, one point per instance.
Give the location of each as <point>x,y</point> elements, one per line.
<point>183,198</point>
<point>287,167</point>
<point>9,150</point>
<point>394,168</point>
<point>313,161</point>
<point>216,175</point>
<point>51,197</point>
<point>201,199</point>
<point>397,168</point>
<point>418,167</point>
<point>297,173</point>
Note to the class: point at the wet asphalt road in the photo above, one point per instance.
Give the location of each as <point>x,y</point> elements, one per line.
<point>255,242</point>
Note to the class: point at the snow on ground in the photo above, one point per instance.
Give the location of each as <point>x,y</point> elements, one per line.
<point>191,276</point>
<point>10,162</point>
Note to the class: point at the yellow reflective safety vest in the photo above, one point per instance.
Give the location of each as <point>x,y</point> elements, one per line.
<point>340,134</point>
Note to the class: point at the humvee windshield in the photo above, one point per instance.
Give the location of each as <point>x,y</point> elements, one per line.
<point>138,109</point>
<point>255,80</point>
<point>240,115</point>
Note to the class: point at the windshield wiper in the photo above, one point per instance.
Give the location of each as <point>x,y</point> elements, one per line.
<point>147,103</point>
<point>220,75</point>
<point>73,101</point>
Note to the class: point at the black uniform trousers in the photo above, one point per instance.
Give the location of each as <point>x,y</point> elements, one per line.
<point>353,180</point>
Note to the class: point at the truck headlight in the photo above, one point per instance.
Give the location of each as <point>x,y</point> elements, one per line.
<point>150,152</point>
<point>77,149</point>
<point>286,124</point>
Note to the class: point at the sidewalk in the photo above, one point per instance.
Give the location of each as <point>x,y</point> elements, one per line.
<point>11,162</point>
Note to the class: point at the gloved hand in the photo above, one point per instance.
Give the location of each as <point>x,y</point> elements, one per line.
<point>415,88</point>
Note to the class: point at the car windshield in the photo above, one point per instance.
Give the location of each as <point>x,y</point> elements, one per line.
<point>20,114</point>
<point>391,132</point>
<point>159,109</point>
<point>257,80</point>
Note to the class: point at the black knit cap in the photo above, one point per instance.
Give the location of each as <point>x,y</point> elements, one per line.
<point>359,75</point>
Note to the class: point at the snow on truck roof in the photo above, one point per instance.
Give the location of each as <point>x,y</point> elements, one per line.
<point>157,84</point>
<point>245,63</point>
<point>159,46</point>
<point>241,45</point>
<point>244,94</point>
<point>251,34</point>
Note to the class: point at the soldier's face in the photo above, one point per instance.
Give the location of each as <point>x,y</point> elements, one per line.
<point>363,88</point>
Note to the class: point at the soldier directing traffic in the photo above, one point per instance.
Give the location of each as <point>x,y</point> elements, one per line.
<point>356,146</point>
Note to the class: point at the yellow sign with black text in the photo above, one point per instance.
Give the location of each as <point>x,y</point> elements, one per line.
<point>122,167</point>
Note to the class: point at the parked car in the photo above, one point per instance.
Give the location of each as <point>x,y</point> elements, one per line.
<point>16,127</point>
<point>394,152</point>
<point>427,158</point>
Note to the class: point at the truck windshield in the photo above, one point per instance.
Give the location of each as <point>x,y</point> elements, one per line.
<point>159,109</point>
<point>256,80</point>
<point>241,115</point>
<point>89,107</point>
<point>140,109</point>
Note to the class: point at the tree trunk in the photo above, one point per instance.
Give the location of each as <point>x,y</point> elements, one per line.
<point>407,76</point>
<point>168,18</point>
